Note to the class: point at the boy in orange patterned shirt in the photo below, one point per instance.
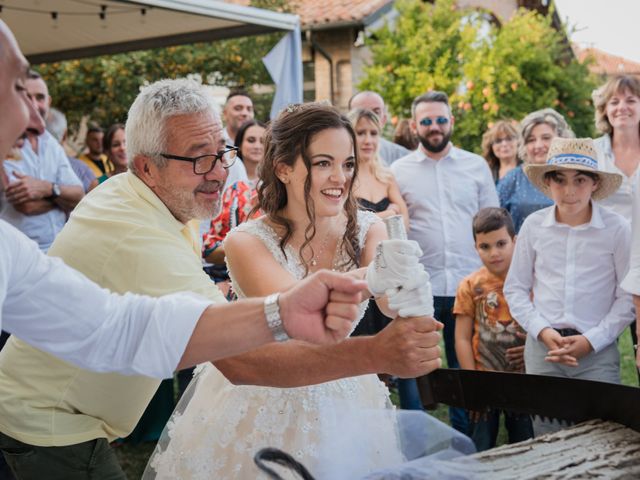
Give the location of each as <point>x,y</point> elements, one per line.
<point>487,336</point>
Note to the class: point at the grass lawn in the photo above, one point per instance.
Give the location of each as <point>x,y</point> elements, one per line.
<point>133,458</point>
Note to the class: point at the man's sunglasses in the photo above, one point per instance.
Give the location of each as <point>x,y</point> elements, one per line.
<point>427,122</point>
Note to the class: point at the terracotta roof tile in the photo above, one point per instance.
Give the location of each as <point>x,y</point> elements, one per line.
<point>606,63</point>
<point>314,12</point>
<point>322,12</point>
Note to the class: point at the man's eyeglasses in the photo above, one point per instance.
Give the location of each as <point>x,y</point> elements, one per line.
<point>205,163</point>
<point>427,122</point>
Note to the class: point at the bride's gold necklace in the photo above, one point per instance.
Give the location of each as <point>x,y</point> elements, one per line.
<point>316,257</point>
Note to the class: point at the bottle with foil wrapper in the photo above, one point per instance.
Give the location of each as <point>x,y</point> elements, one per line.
<point>395,227</point>
<point>396,231</point>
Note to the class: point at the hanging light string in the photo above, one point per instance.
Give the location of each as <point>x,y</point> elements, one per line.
<point>55,15</point>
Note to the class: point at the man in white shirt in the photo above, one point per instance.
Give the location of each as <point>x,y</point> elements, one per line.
<point>237,109</point>
<point>42,187</point>
<point>388,151</point>
<point>129,334</point>
<point>444,187</point>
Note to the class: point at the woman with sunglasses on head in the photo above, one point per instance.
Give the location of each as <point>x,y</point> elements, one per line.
<point>500,148</point>
<point>517,194</point>
<point>310,222</point>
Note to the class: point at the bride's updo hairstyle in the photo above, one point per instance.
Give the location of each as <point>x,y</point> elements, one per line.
<point>287,138</point>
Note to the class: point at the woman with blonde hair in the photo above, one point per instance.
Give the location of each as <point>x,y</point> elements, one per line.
<point>500,148</point>
<point>517,195</point>
<point>375,189</point>
<point>617,105</point>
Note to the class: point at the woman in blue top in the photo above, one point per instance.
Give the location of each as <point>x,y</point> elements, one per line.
<point>516,193</point>
<point>500,148</point>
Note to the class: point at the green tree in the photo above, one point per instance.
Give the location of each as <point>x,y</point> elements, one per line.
<point>104,87</point>
<point>489,71</point>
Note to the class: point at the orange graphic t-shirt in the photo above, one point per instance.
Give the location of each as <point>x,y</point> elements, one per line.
<point>480,297</point>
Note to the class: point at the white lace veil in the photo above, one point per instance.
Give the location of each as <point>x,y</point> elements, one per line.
<point>424,442</point>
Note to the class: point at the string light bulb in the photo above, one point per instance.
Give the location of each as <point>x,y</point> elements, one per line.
<point>103,16</point>
<point>56,15</point>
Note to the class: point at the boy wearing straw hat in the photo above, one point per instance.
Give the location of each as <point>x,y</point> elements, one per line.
<point>563,284</point>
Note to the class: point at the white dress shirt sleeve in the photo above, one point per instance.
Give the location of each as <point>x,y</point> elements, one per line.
<point>56,309</point>
<point>631,282</point>
<point>519,284</point>
<point>621,313</point>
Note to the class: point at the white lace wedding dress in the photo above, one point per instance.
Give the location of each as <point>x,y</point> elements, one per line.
<point>218,427</point>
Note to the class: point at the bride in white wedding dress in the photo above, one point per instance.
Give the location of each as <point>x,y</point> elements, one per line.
<point>311,222</point>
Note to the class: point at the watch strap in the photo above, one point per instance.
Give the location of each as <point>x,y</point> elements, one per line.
<point>272,314</point>
<point>55,191</point>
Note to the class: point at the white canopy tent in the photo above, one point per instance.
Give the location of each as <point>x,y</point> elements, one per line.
<point>54,30</point>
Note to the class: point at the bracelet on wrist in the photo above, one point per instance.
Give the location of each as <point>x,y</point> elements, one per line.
<point>272,314</point>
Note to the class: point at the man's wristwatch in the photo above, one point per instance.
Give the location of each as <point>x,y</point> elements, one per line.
<point>55,191</point>
<point>274,322</point>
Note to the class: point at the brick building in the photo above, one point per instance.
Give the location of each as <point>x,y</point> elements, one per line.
<point>333,49</point>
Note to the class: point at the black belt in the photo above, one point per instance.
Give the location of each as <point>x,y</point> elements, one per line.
<point>567,332</point>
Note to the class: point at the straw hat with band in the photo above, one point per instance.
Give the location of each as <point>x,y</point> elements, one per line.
<point>573,154</point>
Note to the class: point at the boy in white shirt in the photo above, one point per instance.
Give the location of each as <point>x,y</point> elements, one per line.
<point>563,284</point>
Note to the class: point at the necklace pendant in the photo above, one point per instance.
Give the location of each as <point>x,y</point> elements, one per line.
<point>314,263</point>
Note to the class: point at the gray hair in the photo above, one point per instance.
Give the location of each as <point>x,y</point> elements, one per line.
<point>56,124</point>
<point>432,96</point>
<point>145,127</point>
<point>547,116</point>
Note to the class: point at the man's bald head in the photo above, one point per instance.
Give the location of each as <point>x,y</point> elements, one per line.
<point>14,104</point>
<point>368,100</point>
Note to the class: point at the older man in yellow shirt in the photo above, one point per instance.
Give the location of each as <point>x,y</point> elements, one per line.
<point>132,235</point>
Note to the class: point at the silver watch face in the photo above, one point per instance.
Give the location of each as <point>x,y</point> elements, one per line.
<point>56,190</point>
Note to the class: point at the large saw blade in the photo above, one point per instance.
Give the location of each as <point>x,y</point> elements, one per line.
<point>558,398</point>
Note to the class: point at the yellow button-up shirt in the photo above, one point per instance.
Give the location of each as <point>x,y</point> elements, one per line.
<point>124,238</point>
